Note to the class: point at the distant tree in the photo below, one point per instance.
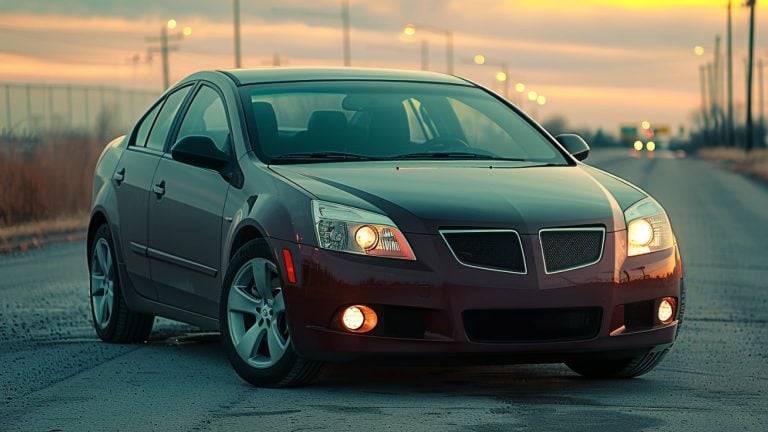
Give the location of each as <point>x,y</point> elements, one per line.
<point>556,125</point>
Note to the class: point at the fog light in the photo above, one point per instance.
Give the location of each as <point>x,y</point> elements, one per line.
<point>359,319</point>
<point>666,310</point>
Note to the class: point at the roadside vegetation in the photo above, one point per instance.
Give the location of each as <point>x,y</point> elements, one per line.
<point>754,163</point>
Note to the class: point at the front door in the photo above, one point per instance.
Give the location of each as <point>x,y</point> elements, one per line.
<point>185,215</point>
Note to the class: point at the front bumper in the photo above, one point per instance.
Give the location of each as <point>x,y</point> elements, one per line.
<point>436,290</point>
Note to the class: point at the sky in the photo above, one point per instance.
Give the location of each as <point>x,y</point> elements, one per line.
<point>599,63</point>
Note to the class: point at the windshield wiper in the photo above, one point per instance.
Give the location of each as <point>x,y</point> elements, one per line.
<point>326,156</point>
<point>453,155</point>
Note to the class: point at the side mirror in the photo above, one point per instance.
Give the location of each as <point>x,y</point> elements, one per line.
<point>575,145</point>
<point>200,151</point>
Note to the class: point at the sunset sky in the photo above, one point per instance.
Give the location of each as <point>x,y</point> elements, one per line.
<point>598,62</point>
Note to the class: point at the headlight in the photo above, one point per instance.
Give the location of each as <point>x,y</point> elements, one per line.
<point>348,229</point>
<point>648,228</point>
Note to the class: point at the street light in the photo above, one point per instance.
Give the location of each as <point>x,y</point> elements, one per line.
<point>501,76</point>
<point>532,95</point>
<point>698,50</point>
<point>411,29</point>
<point>541,100</point>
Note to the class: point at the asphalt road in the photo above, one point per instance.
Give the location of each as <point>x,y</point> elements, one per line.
<point>56,375</point>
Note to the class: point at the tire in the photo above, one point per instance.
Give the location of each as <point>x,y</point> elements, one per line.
<point>617,368</point>
<point>112,319</point>
<point>254,322</point>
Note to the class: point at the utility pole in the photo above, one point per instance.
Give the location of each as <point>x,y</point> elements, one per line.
<point>424,55</point>
<point>761,122</point>
<point>345,24</point>
<point>731,139</point>
<point>164,49</point>
<point>750,65</point>
<point>238,63</point>
<point>449,51</point>
<point>704,110</point>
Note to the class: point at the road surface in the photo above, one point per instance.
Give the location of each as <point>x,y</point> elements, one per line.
<point>55,375</point>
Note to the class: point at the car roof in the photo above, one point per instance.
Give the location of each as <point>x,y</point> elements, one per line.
<point>288,74</point>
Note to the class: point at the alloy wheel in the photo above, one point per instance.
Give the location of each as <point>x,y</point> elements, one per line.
<point>102,283</point>
<point>256,314</point>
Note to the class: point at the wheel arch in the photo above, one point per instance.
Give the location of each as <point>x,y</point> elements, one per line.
<point>98,218</point>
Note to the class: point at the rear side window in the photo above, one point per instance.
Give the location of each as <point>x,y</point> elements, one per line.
<point>206,116</point>
<point>146,125</point>
<point>165,119</point>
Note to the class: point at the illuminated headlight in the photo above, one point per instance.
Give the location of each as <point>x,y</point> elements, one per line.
<point>648,228</point>
<point>352,230</point>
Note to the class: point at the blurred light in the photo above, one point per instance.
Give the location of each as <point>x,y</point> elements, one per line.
<point>479,59</point>
<point>532,95</point>
<point>698,50</point>
<point>171,24</point>
<point>187,31</point>
<point>651,146</point>
<point>638,145</point>
<point>645,124</point>
<point>410,30</point>
<point>520,87</point>
<point>501,76</point>
<point>541,100</point>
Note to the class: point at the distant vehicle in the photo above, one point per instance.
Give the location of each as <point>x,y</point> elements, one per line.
<point>316,215</point>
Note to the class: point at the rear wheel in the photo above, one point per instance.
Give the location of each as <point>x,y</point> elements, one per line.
<point>254,322</point>
<point>112,319</point>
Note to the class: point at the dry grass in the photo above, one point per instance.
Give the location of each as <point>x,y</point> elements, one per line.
<point>754,163</point>
<point>46,180</point>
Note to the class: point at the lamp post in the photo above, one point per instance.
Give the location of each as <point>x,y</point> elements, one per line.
<point>411,29</point>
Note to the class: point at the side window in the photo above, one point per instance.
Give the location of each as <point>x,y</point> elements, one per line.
<point>165,118</point>
<point>206,116</point>
<point>146,125</point>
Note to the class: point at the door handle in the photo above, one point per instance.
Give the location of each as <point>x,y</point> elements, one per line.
<point>119,176</point>
<point>159,189</point>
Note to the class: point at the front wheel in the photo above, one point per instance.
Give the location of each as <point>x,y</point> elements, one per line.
<point>617,368</point>
<point>254,323</point>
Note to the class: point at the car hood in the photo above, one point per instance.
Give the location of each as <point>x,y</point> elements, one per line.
<point>423,197</point>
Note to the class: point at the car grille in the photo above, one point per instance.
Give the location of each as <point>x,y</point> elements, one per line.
<point>532,325</point>
<point>571,248</point>
<point>498,250</point>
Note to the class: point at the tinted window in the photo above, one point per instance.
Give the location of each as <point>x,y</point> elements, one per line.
<point>391,119</point>
<point>206,116</point>
<point>165,118</point>
<point>146,125</point>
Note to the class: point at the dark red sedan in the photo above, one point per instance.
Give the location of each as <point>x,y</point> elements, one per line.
<point>318,215</point>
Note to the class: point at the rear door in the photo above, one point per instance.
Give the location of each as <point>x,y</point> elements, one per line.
<point>133,179</point>
<point>185,214</point>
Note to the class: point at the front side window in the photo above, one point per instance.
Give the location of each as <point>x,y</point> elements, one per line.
<point>165,118</point>
<point>389,120</point>
<point>206,116</point>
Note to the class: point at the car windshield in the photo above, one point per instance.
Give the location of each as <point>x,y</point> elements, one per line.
<point>364,120</point>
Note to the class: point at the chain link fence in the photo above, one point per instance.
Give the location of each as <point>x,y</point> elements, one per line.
<point>35,109</point>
